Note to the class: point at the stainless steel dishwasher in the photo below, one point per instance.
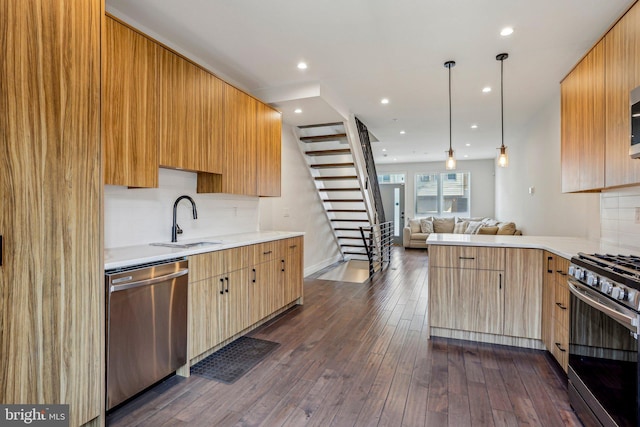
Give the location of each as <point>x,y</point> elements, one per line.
<point>146,326</point>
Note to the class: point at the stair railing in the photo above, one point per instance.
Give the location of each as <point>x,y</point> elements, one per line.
<point>378,241</point>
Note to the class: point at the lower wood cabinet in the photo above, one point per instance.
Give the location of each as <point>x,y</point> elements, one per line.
<point>555,321</point>
<point>234,289</point>
<point>486,290</point>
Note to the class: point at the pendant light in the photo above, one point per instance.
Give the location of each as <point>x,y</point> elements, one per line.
<point>503,158</point>
<point>451,161</point>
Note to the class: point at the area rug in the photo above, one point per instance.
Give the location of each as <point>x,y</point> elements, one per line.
<point>234,360</point>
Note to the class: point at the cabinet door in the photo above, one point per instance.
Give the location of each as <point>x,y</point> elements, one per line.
<point>622,46</point>
<point>466,257</point>
<point>269,128</point>
<point>293,269</point>
<point>479,301</point>
<point>523,293</point>
<point>260,292</point>
<point>130,107</point>
<point>206,298</point>
<point>560,348</point>
<point>190,115</point>
<point>51,191</point>
<point>239,167</point>
<point>582,126</point>
<point>443,290</point>
<point>548,297</point>
<point>233,307</point>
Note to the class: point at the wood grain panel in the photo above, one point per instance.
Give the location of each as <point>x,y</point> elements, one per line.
<point>204,323</point>
<point>560,348</point>
<point>130,107</point>
<point>51,279</point>
<point>203,266</point>
<point>523,293</point>
<point>269,128</point>
<point>583,125</point>
<point>190,115</point>
<point>474,257</point>
<point>561,305</point>
<point>293,251</point>
<point>622,67</point>
<point>480,302</point>
<point>548,297</point>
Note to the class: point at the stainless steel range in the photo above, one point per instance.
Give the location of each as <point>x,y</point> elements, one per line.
<point>603,339</point>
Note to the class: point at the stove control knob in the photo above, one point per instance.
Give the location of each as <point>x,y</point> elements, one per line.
<point>606,286</point>
<point>592,279</point>
<point>578,274</point>
<point>572,270</point>
<point>619,293</point>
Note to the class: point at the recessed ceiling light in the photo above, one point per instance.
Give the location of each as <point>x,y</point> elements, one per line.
<point>302,65</point>
<point>506,31</point>
<point>465,156</point>
<point>297,111</point>
<point>486,89</point>
<point>384,101</point>
<point>384,150</point>
<point>394,159</point>
<point>474,126</point>
<point>467,144</point>
<point>402,132</point>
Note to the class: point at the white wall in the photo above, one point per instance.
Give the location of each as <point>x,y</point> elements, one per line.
<point>482,182</point>
<point>619,222</point>
<point>139,216</point>
<point>534,161</point>
<point>299,208</point>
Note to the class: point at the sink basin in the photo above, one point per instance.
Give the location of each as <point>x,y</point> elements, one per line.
<point>186,245</point>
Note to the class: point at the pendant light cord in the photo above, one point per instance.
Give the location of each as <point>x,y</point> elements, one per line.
<point>502,101</point>
<point>449,108</point>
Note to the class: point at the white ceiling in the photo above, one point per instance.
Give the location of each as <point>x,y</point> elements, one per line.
<point>363,50</point>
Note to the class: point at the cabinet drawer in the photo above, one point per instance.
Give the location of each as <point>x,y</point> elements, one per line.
<point>560,347</point>
<point>561,305</point>
<point>206,265</point>
<point>473,257</point>
<point>264,252</point>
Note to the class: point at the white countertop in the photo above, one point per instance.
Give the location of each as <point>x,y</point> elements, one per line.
<point>565,247</point>
<point>133,255</point>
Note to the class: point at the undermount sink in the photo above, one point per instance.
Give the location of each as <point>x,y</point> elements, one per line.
<point>186,245</point>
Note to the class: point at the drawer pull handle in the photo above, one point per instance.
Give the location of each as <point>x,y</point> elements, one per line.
<point>500,276</point>
<point>221,286</point>
<point>561,272</point>
<point>549,270</point>
<point>560,347</point>
<point>466,257</point>
<point>266,253</point>
<point>254,275</point>
<point>282,261</point>
<point>559,304</point>
<point>293,246</point>
<point>227,289</point>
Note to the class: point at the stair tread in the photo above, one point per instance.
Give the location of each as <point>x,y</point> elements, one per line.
<point>337,178</point>
<point>350,220</point>
<point>333,165</point>
<point>323,138</point>
<point>352,246</point>
<point>336,152</point>
<point>339,189</point>
<point>320,125</point>
<point>347,210</point>
<point>343,200</point>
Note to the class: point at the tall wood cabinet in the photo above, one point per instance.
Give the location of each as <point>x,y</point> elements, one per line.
<point>51,274</point>
<point>130,107</point>
<point>583,127</point>
<point>191,115</point>
<point>269,149</point>
<point>622,46</point>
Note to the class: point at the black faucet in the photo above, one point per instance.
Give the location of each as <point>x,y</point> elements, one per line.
<point>175,229</point>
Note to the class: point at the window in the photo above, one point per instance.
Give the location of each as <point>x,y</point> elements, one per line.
<point>445,194</point>
<point>391,178</point>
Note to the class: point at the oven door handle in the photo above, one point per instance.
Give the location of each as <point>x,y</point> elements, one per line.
<point>582,293</point>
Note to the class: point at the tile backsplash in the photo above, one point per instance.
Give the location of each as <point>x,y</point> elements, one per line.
<point>620,217</point>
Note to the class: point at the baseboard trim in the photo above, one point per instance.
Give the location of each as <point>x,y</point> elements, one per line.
<point>488,338</point>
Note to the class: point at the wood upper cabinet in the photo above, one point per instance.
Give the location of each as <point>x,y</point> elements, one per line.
<point>583,126</point>
<point>130,107</point>
<point>191,115</point>
<point>622,46</point>
<point>269,145</point>
<point>523,293</point>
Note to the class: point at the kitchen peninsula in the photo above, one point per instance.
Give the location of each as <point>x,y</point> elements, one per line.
<point>504,289</point>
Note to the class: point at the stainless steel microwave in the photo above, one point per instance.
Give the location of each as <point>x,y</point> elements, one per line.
<point>634,149</point>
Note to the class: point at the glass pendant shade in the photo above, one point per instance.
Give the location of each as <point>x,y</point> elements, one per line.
<point>503,158</point>
<point>451,161</point>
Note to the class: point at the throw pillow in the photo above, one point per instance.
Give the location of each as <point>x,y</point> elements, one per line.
<point>488,230</point>
<point>443,225</point>
<point>414,225</point>
<point>426,226</point>
<point>490,222</point>
<point>471,219</point>
<point>473,227</point>
<point>460,227</point>
<point>507,228</point>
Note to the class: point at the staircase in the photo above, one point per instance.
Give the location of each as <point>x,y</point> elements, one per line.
<point>330,156</point>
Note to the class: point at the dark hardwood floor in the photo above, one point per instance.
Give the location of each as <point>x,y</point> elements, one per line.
<point>359,355</point>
